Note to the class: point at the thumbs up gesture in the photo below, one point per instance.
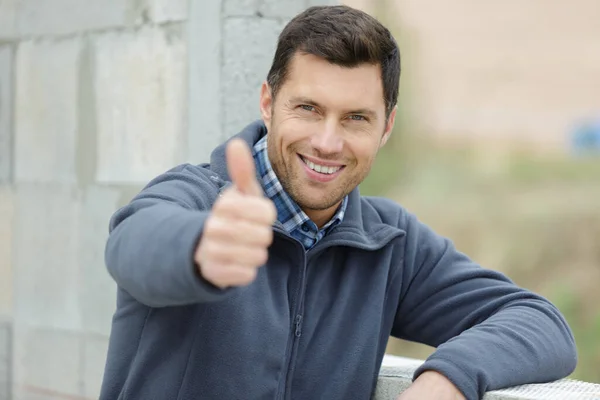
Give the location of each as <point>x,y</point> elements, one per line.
<point>238,232</point>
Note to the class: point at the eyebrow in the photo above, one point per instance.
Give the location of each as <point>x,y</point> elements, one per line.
<point>305,100</point>
<point>308,101</point>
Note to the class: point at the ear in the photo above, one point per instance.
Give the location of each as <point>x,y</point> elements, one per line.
<point>266,103</point>
<point>389,127</point>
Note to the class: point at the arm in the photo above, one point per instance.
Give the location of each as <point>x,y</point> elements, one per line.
<point>152,240</point>
<point>489,333</point>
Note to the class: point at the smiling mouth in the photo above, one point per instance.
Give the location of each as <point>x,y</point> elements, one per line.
<point>322,169</point>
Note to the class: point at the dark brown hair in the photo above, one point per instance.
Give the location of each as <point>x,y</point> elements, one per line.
<point>343,36</point>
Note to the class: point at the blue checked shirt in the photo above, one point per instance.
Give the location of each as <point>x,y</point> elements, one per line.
<point>293,219</point>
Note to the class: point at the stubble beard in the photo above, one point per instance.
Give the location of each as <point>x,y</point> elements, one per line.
<point>290,179</point>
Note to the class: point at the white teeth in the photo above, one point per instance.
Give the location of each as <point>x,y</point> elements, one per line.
<point>320,168</point>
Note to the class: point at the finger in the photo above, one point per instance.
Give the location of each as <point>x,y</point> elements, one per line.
<point>237,230</point>
<point>221,251</point>
<point>232,205</point>
<point>224,275</point>
<point>242,170</point>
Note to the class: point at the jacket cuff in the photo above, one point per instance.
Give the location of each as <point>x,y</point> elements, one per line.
<point>465,383</point>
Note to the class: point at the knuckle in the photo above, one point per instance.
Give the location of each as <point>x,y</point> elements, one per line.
<point>217,208</point>
<point>210,273</point>
<point>199,261</point>
<point>262,256</point>
<point>268,236</point>
<point>217,227</point>
<point>199,251</point>
<point>211,224</point>
<point>247,277</point>
<point>207,247</point>
<point>220,276</point>
<point>211,250</point>
<point>200,255</point>
<point>223,276</point>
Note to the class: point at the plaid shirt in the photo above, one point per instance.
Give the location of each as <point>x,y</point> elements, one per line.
<point>293,219</point>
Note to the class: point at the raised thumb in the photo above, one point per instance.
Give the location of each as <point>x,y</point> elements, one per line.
<point>242,170</point>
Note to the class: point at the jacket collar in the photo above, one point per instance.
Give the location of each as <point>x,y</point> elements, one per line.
<point>361,227</point>
<point>250,134</point>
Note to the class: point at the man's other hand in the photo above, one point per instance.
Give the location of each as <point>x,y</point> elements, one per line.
<point>432,385</point>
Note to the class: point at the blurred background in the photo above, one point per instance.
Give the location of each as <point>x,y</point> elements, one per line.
<point>497,146</point>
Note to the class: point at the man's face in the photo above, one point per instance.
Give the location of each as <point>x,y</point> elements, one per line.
<point>325,128</point>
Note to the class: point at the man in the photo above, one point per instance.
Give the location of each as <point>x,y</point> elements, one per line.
<point>264,274</point>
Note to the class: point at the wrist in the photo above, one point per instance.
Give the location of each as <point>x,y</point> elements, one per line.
<point>435,378</point>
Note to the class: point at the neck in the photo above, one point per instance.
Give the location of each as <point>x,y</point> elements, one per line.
<point>321,217</point>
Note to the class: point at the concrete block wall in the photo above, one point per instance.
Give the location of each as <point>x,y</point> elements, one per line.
<point>96,98</point>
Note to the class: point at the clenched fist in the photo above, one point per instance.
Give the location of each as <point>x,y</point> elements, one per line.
<point>238,232</point>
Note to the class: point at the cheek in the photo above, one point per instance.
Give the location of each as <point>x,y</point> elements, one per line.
<point>293,137</point>
<point>363,152</point>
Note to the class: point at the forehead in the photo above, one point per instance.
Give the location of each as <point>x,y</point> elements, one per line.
<point>333,85</point>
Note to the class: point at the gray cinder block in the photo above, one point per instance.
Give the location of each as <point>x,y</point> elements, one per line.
<point>46,110</point>
<point>140,86</point>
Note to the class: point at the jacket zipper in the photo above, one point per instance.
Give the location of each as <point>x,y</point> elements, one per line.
<point>296,323</point>
<point>284,388</point>
<point>291,362</point>
<point>298,331</point>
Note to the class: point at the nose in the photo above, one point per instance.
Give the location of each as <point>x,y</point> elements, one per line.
<point>328,140</point>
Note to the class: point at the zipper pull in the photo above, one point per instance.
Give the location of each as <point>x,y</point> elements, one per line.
<point>298,325</point>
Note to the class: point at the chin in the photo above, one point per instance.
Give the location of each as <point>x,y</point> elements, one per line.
<point>317,202</point>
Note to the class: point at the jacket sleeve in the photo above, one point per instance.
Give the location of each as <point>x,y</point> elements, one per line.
<point>152,240</point>
<point>488,333</point>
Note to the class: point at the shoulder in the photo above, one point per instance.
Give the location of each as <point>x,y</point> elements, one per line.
<point>381,210</point>
<point>194,186</point>
<point>200,174</point>
<point>418,237</point>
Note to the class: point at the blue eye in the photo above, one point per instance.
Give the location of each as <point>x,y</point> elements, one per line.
<point>307,107</point>
<point>357,117</point>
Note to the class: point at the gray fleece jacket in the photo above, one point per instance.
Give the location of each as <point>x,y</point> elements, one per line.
<point>314,324</point>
